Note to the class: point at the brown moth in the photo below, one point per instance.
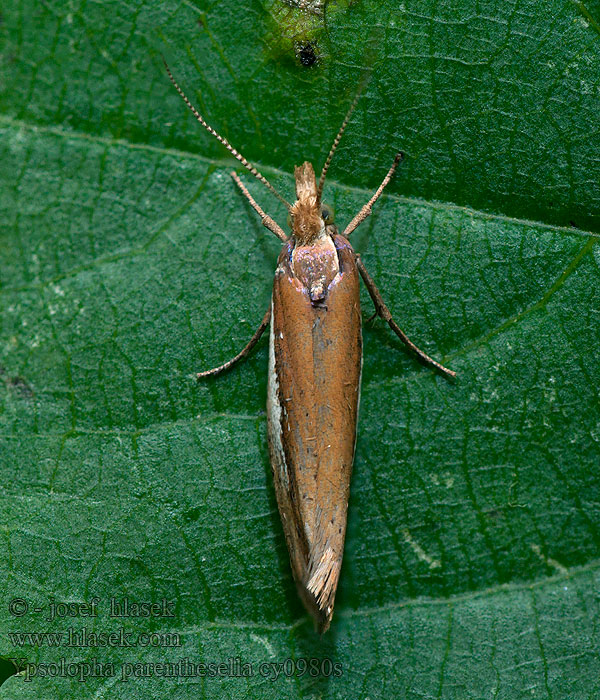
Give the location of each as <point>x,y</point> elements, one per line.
<point>315,362</point>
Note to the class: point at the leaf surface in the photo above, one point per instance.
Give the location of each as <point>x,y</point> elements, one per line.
<point>129,261</point>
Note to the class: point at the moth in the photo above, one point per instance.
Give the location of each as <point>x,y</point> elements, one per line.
<point>315,365</point>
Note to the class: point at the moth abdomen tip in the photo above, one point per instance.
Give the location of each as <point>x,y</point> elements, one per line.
<point>320,585</point>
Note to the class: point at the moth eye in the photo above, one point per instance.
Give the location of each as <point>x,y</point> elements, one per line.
<point>327,214</point>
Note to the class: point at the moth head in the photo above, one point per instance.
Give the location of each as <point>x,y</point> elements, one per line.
<point>306,214</point>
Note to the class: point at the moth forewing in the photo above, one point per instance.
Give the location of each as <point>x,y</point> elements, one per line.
<point>314,376</point>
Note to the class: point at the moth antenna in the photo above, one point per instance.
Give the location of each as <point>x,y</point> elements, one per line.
<point>225,142</point>
<point>338,138</point>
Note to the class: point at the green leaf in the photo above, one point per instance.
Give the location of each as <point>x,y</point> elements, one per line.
<point>129,261</point>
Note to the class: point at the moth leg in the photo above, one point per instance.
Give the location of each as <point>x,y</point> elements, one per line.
<point>366,210</point>
<point>383,311</point>
<point>255,338</point>
<point>273,226</point>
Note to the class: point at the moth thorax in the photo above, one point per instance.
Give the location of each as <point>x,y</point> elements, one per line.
<point>315,266</point>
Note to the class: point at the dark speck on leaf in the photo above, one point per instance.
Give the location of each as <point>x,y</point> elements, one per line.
<point>306,53</point>
<point>17,384</point>
<point>20,385</point>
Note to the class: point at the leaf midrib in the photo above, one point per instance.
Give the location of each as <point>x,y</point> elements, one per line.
<point>230,163</point>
